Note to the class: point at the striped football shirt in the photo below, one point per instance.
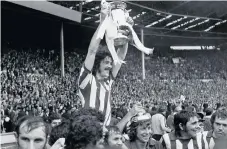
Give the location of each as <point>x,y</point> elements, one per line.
<point>95,93</point>
<point>204,140</point>
<point>170,141</point>
<point>211,142</point>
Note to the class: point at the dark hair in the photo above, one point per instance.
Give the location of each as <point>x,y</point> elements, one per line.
<point>110,129</point>
<point>120,112</point>
<point>222,113</point>
<point>205,106</point>
<point>60,131</point>
<point>66,117</point>
<point>196,107</point>
<point>182,118</point>
<point>54,116</point>
<point>21,114</point>
<point>154,108</point>
<point>162,108</point>
<point>84,130</point>
<point>208,111</point>
<point>100,55</point>
<point>218,105</point>
<point>32,122</point>
<point>88,111</point>
<point>132,132</point>
<point>201,116</point>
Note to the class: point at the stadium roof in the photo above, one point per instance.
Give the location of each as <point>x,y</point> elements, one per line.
<point>168,22</point>
<point>45,8</point>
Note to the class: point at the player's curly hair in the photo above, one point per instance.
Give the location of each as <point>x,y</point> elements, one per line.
<point>100,55</point>
<point>84,130</point>
<point>88,111</point>
<point>54,116</point>
<point>60,131</point>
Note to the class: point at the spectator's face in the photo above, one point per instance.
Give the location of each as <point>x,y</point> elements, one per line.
<point>178,109</point>
<point>178,103</point>
<point>115,140</point>
<point>192,126</point>
<point>220,127</point>
<point>55,122</point>
<point>105,67</point>
<point>144,132</point>
<point>35,139</point>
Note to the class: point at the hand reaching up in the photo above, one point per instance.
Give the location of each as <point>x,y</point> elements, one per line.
<point>137,108</point>
<point>105,10</point>
<point>59,144</point>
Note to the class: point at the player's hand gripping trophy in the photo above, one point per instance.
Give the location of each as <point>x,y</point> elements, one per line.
<point>117,27</point>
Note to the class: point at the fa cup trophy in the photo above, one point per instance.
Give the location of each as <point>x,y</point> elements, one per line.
<point>117,27</point>
<point>119,16</point>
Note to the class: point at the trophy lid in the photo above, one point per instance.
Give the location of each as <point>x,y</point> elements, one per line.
<point>118,4</point>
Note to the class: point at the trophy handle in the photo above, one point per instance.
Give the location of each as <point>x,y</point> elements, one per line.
<point>139,45</point>
<point>111,48</point>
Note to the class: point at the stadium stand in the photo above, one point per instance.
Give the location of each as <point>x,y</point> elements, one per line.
<point>31,82</point>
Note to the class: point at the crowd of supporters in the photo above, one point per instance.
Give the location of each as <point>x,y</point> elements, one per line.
<point>200,78</point>
<point>83,129</point>
<point>31,83</point>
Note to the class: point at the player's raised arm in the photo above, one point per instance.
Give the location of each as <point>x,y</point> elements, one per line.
<point>121,53</point>
<point>95,41</point>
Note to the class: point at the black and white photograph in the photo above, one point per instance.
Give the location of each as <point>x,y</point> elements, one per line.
<point>113,74</point>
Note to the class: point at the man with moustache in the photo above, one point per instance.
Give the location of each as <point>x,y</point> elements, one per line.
<point>186,134</point>
<point>217,138</point>
<point>99,72</point>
